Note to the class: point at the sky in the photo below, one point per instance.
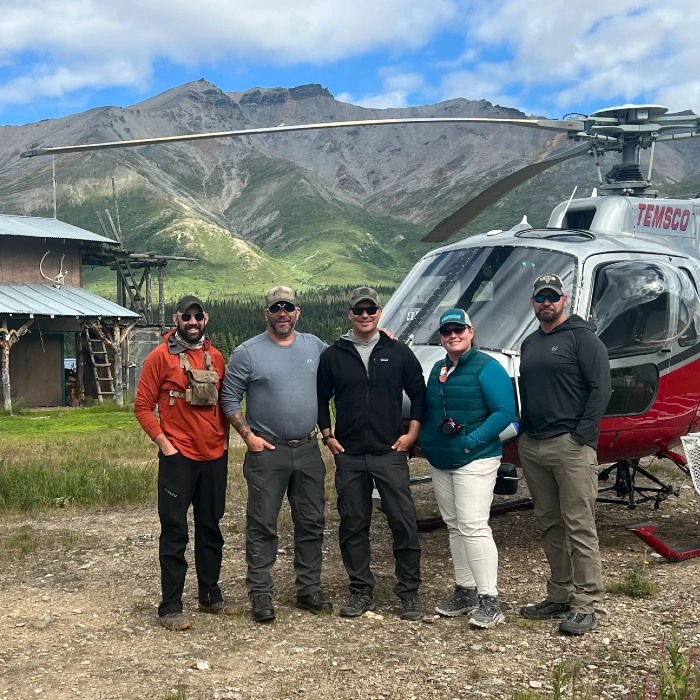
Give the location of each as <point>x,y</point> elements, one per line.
<point>544,57</point>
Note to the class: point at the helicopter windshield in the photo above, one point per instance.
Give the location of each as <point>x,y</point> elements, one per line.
<point>493,285</point>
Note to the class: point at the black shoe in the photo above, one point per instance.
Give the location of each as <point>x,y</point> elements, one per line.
<point>411,609</point>
<point>262,608</point>
<point>314,602</point>
<point>361,601</point>
<point>578,623</point>
<point>463,601</point>
<point>488,614</point>
<point>546,610</point>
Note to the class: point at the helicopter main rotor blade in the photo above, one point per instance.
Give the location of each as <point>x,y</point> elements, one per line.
<point>454,222</point>
<point>575,125</point>
<point>676,137</point>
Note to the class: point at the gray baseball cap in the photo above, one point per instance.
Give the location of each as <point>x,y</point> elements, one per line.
<point>552,282</point>
<point>363,294</point>
<point>187,301</point>
<point>280,293</point>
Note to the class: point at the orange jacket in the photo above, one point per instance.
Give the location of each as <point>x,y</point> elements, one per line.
<point>198,432</point>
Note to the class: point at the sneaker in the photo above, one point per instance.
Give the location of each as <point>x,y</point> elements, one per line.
<point>175,621</point>
<point>361,601</point>
<point>546,610</point>
<point>263,611</point>
<point>314,602</point>
<point>578,623</point>
<point>462,602</point>
<point>218,608</point>
<point>488,613</point>
<point>411,609</point>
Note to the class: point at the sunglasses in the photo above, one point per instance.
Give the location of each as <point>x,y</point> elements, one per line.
<point>280,305</point>
<point>447,332</point>
<point>359,310</point>
<point>552,298</point>
<point>199,316</point>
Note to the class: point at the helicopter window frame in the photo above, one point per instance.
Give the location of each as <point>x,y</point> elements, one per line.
<point>630,351</point>
<point>635,371</point>
<point>692,334</point>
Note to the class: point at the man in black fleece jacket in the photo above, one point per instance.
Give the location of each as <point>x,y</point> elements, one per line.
<point>565,389</point>
<point>366,373</point>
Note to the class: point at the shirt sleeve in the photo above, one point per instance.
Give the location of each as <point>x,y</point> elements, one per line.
<point>498,394</point>
<point>147,393</point>
<point>324,391</point>
<point>235,381</point>
<point>414,385</point>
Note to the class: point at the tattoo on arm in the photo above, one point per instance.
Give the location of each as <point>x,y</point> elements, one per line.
<point>238,422</point>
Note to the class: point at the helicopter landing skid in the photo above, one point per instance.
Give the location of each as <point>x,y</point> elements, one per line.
<point>645,532</point>
<point>628,491</point>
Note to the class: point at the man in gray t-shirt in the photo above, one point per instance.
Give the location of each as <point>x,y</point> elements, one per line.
<point>276,371</point>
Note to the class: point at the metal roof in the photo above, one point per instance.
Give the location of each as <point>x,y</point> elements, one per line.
<point>35,227</point>
<point>51,301</point>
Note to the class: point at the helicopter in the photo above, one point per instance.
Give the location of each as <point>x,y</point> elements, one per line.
<point>630,262</point>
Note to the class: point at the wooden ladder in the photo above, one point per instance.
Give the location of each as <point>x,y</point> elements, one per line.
<point>127,277</point>
<point>101,366</point>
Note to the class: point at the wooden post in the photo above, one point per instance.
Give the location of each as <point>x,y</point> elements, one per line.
<point>80,368</point>
<point>5,342</point>
<point>161,298</point>
<point>118,369</point>
<point>149,296</point>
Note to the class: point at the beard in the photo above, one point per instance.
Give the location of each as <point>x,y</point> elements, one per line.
<point>186,337</point>
<point>548,315</point>
<point>282,332</point>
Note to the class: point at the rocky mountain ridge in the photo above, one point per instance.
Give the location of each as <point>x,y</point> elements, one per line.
<point>340,205</point>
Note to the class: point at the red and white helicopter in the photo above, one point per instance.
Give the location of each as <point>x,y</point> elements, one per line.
<point>629,259</point>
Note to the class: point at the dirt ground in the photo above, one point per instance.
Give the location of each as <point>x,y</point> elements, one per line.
<point>79,603</point>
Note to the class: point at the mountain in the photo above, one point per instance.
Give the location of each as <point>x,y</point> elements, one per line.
<point>308,208</point>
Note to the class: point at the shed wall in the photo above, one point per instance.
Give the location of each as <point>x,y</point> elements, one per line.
<point>20,258</point>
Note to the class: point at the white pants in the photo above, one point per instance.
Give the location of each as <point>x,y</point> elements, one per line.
<point>464,497</point>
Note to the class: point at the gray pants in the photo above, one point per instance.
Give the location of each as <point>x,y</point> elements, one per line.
<point>563,480</point>
<point>300,473</point>
<point>354,476</point>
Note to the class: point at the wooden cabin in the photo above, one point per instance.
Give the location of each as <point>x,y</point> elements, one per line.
<point>44,307</point>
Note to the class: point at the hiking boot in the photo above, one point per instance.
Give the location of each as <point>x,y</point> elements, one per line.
<point>546,610</point>
<point>262,608</point>
<point>411,609</point>
<point>462,602</point>
<point>578,623</point>
<point>314,602</point>
<point>218,608</point>
<point>175,622</point>
<point>361,601</point>
<point>488,614</point>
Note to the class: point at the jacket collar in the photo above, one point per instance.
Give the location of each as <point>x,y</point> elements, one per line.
<point>345,344</point>
<point>463,359</point>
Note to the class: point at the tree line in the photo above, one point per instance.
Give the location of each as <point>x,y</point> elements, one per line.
<point>323,313</point>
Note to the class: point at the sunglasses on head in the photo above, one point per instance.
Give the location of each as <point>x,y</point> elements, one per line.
<point>552,298</point>
<point>359,310</point>
<point>280,305</point>
<point>199,316</point>
<point>457,330</point>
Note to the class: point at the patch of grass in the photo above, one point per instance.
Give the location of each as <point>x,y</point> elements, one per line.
<point>23,541</point>
<point>636,584</point>
<point>179,694</point>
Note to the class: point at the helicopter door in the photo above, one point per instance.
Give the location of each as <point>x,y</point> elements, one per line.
<point>644,310</point>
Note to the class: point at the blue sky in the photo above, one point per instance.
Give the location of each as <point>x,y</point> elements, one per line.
<point>545,57</point>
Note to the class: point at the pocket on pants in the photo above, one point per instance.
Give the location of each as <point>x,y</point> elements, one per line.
<point>252,471</point>
<point>171,475</point>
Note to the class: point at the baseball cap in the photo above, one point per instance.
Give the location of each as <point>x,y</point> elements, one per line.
<point>280,293</point>
<point>363,294</point>
<point>458,316</point>
<point>552,282</point>
<point>187,301</point>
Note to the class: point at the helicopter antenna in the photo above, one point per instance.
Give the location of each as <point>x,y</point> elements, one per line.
<point>563,214</point>
<point>651,159</point>
<point>597,164</point>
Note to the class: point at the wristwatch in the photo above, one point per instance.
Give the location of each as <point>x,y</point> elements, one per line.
<point>326,438</point>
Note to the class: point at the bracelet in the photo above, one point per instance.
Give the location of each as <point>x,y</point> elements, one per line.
<point>326,438</point>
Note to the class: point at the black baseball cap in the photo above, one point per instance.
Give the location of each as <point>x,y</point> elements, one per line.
<point>552,282</point>
<point>187,301</point>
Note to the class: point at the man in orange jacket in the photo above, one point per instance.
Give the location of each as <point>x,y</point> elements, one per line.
<point>181,378</point>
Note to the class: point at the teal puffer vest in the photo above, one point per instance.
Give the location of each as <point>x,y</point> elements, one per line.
<point>465,403</point>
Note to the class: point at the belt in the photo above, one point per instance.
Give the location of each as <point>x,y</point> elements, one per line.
<point>313,435</point>
<point>176,395</point>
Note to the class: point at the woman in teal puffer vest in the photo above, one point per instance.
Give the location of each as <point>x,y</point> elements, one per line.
<point>469,403</point>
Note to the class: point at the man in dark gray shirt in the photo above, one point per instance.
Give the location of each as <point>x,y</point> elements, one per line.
<point>276,370</point>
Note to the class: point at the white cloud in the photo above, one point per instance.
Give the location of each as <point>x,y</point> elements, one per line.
<point>84,42</point>
<point>396,90</point>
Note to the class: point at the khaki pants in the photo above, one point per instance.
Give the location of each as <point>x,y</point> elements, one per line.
<point>563,480</point>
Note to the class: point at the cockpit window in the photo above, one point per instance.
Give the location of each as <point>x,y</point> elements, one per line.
<point>493,285</point>
<point>641,306</point>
